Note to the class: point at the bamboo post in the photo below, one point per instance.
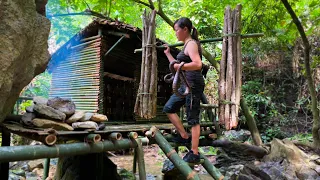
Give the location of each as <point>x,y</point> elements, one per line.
<point>183,167</point>
<point>139,97</point>
<point>146,102</point>
<point>233,77</point>
<point>239,62</point>
<point>134,167</point>
<point>228,85</point>
<point>46,168</point>
<point>222,77</point>
<point>140,158</point>
<point>148,64</point>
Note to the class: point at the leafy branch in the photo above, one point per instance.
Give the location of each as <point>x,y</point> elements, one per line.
<point>160,12</point>
<point>87,12</point>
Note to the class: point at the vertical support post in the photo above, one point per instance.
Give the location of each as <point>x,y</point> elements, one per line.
<point>211,116</point>
<point>46,168</point>
<point>134,168</point>
<point>140,157</point>
<point>4,166</point>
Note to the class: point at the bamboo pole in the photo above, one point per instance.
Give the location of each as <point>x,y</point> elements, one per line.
<point>115,44</point>
<point>92,138</point>
<point>86,43</point>
<point>243,36</point>
<point>228,70</point>
<point>147,63</point>
<point>154,76</point>
<point>183,167</point>
<point>90,38</point>
<point>115,136</point>
<point>46,168</point>
<point>22,153</point>
<point>233,77</point>
<point>140,158</point>
<point>138,104</point>
<point>239,63</point>
<point>222,77</point>
<point>213,171</point>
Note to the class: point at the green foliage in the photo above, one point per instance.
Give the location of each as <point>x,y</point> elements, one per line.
<point>270,133</point>
<point>303,137</point>
<point>39,86</point>
<point>25,104</point>
<point>258,100</point>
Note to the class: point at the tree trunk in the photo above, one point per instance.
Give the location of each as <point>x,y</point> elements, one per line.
<point>315,110</point>
<point>251,123</point>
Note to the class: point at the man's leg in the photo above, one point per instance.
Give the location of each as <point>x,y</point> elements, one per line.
<point>175,120</point>
<point>195,134</point>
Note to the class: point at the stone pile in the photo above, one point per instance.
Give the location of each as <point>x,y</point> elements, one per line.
<point>61,114</point>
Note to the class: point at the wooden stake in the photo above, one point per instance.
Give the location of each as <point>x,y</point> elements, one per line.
<point>233,77</point>
<point>239,62</point>
<point>229,70</point>
<point>222,80</point>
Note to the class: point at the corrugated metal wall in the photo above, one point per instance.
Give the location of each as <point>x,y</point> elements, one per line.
<point>78,77</point>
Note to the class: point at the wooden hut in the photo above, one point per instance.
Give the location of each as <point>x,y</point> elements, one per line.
<point>99,71</point>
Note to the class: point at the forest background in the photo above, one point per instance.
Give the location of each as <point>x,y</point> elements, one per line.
<point>274,85</point>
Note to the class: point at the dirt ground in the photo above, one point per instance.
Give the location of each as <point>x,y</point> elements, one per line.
<point>153,157</point>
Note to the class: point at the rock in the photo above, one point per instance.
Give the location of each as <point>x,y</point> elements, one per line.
<point>40,100</point>
<point>35,164</point>
<point>29,109</point>
<point>231,171</point>
<point>85,125</point>
<point>19,172</point>
<point>241,135</point>
<point>27,118</point>
<point>76,117</point>
<point>101,126</point>
<point>64,105</point>
<point>47,112</point>
<point>13,176</point>
<point>87,117</point>
<point>45,123</point>
<point>99,118</point>
<point>23,49</point>
<point>31,176</point>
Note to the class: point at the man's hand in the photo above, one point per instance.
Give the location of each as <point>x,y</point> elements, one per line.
<point>167,50</point>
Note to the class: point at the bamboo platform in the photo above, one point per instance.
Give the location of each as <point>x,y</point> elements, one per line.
<point>111,131</point>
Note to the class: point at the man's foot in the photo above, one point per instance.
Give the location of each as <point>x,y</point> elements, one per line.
<point>181,140</point>
<point>192,158</point>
